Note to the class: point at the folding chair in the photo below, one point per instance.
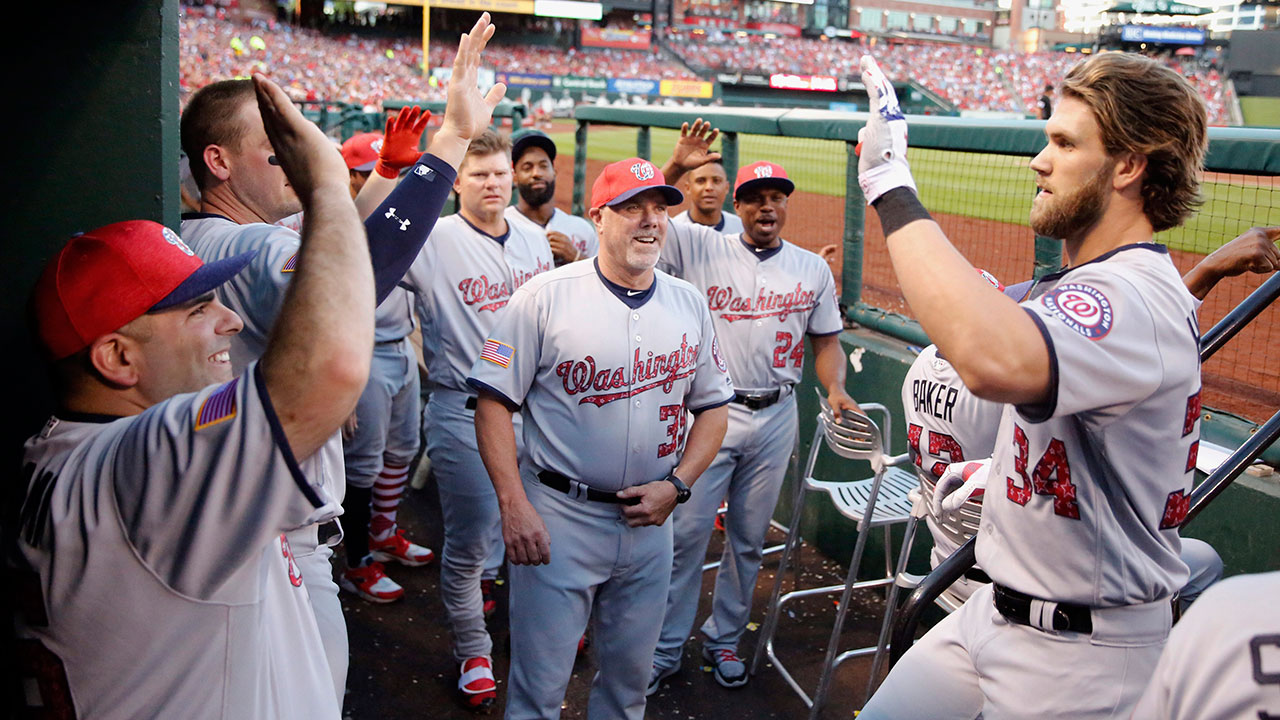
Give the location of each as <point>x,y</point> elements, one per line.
<point>879,501</point>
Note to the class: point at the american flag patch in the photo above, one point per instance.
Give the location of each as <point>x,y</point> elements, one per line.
<point>219,406</point>
<point>291,264</point>
<point>498,353</point>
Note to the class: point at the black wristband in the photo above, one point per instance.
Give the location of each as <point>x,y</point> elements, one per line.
<point>898,207</point>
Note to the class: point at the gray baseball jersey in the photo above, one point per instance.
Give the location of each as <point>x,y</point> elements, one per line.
<point>945,422</point>
<point>256,295</point>
<point>619,376</point>
<point>169,526</point>
<point>1223,658</point>
<point>730,224</point>
<point>763,302</point>
<point>462,281</point>
<point>1088,489</point>
<point>578,230</point>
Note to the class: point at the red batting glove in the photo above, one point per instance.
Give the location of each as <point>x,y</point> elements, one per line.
<point>400,142</point>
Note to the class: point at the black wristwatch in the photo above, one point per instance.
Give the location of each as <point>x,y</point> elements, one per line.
<point>682,491</point>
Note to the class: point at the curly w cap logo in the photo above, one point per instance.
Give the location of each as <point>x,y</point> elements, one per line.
<point>376,145</point>
<point>1083,308</point>
<point>764,171</point>
<point>643,171</point>
<point>172,238</point>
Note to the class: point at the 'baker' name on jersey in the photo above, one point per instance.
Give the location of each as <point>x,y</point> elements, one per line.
<point>733,306</point>
<point>936,399</point>
<point>493,296</point>
<point>662,369</point>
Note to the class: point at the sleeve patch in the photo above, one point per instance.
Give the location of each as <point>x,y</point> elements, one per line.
<point>498,353</point>
<point>1083,308</point>
<point>717,355</point>
<point>291,264</point>
<point>219,406</point>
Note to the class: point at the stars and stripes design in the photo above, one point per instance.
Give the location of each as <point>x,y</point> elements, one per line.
<point>291,264</point>
<point>219,406</point>
<point>498,353</point>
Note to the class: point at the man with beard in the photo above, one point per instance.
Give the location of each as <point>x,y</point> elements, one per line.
<point>606,361</point>
<point>572,238</point>
<point>708,185</point>
<point>1098,372</point>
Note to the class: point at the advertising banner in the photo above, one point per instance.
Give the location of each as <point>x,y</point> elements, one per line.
<point>525,80</point>
<point>786,81</point>
<point>1171,35</point>
<point>523,7</point>
<point>615,38</point>
<point>573,82</point>
<point>686,88</point>
<point>632,86</point>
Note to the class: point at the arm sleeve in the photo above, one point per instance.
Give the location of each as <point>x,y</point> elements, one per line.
<point>1100,336</point>
<point>401,224</point>
<point>825,318</point>
<point>510,356</point>
<point>711,386</point>
<point>672,259</point>
<point>202,482</point>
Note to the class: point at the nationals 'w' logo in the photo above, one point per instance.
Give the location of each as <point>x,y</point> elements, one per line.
<point>643,171</point>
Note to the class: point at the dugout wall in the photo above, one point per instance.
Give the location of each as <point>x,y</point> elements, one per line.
<point>973,177</point>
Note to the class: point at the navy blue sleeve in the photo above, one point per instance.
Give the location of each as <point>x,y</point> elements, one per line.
<point>401,224</point>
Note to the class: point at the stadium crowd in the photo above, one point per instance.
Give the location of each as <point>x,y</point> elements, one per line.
<point>312,65</point>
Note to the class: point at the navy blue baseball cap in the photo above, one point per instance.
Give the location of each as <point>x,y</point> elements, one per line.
<point>525,139</point>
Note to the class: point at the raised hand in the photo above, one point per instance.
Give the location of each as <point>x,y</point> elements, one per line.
<point>401,140</point>
<point>307,157</point>
<point>468,112</point>
<point>882,144</point>
<point>693,149</point>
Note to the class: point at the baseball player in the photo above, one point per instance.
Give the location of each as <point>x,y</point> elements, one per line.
<point>243,190</point>
<point>571,238</point>
<point>605,360</point>
<point>708,185</point>
<point>380,439</point>
<point>160,581</point>
<point>1099,372</point>
<point>765,296</point>
<point>462,281</point>
<point>1223,657</point>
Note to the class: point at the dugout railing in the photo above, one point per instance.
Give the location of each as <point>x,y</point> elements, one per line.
<point>973,176</point>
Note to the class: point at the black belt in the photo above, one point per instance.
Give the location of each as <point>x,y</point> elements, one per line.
<point>471,402</point>
<point>556,481</point>
<point>397,341</point>
<point>1016,608</point>
<point>756,401</point>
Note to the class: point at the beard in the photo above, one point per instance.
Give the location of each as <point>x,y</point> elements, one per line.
<point>1070,215</point>
<point>537,198</point>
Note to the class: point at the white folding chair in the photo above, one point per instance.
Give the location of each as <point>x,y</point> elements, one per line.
<point>879,501</point>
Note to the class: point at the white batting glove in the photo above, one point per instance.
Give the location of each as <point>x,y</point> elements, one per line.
<point>958,483</point>
<point>882,159</point>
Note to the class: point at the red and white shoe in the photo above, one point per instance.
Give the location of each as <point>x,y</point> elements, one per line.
<point>371,583</point>
<point>476,685</point>
<point>488,602</point>
<point>397,548</point>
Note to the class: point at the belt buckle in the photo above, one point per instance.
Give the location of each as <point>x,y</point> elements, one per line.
<point>1042,613</point>
<point>577,490</point>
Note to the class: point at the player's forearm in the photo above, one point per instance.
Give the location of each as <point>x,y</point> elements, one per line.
<point>372,193</point>
<point>700,448</point>
<point>672,171</point>
<point>317,359</point>
<point>993,344</point>
<point>496,440</point>
<point>399,227</point>
<point>828,362</point>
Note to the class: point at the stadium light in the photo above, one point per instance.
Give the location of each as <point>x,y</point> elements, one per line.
<point>568,9</point>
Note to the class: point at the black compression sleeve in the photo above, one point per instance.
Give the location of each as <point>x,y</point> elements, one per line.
<point>401,224</point>
<point>898,207</point>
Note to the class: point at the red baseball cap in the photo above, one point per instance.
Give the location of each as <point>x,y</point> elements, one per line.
<point>626,178</point>
<point>361,151</point>
<point>104,279</point>
<point>762,174</point>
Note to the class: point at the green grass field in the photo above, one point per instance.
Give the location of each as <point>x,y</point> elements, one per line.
<point>990,187</point>
<point>1260,111</point>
